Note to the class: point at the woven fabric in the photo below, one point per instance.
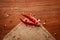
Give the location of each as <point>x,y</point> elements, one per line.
<point>23,32</point>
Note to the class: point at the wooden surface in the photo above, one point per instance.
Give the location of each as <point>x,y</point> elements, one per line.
<point>46,10</point>
<point>29,32</point>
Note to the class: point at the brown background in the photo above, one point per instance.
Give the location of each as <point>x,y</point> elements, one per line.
<point>46,10</point>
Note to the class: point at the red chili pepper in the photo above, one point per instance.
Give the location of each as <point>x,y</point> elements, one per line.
<point>34,21</point>
<point>28,23</point>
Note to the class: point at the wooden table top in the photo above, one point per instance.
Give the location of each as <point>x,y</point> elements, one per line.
<point>48,11</point>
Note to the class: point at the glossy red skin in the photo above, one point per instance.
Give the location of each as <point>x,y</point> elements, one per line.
<point>28,23</point>
<point>34,21</point>
<point>31,18</point>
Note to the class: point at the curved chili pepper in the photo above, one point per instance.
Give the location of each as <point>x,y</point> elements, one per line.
<point>26,22</point>
<point>34,21</point>
<point>31,18</point>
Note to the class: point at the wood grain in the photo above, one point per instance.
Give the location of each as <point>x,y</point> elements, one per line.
<point>46,10</point>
